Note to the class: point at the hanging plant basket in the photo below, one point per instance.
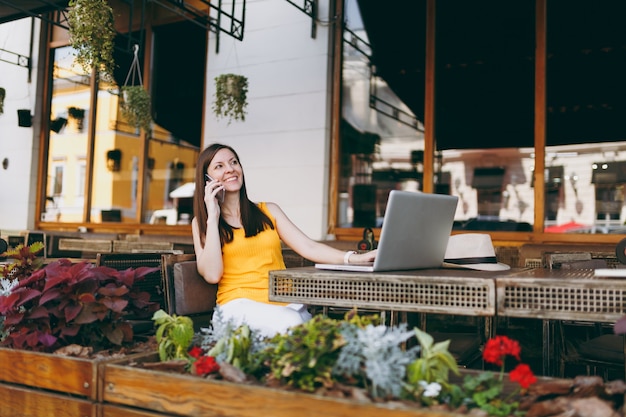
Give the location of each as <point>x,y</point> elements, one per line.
<point>231,93</point>
<point>3,94</point>
<point>136,106</point>
<point>92,35</point>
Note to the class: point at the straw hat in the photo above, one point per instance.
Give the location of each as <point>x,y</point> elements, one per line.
<point>472,251</point>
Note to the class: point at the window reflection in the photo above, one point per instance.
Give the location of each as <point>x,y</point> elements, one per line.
<point>170,183</point>
<point>68,139</point>
<point>382,141</point>
<point>117,163</point>
<point>494,187</point>
<point>585,110</point>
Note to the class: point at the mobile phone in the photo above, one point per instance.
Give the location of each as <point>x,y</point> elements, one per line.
<point>220,195</point>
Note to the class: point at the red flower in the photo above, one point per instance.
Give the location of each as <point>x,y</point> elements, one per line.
<point>195,352</point>
<point>523,375</point>
<point>498,347</point>
<point>205,365</point>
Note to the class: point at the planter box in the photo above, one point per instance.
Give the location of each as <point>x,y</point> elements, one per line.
<point>24,402</point>
<point>188,395</point>
<point>67,375</point>
<point>117,411</point>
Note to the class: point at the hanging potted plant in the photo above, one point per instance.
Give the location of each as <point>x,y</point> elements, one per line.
<point>231,93</point>
<point>3,94</point>
<point>136,106</point>
<point>92,35</point>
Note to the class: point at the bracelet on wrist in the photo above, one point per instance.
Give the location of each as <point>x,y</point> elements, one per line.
<point>346,257</point>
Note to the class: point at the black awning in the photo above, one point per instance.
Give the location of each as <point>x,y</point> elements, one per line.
<point>485,59</point>
<point>17,9</point>
<point>608,172</point>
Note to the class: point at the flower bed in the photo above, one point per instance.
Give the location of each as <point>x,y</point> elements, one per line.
<point>186,395</point>
<point>59,324</point>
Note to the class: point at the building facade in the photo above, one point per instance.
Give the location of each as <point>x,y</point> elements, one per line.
<point>346,102</point>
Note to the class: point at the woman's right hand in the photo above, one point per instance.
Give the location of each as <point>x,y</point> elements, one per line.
<point>211,190</point>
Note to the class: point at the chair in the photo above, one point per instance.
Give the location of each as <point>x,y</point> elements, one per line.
<point>594,346</point>
<point>168,262</point>
<point>601,354</point>
<point>187,293</point>
<point>153,282</point>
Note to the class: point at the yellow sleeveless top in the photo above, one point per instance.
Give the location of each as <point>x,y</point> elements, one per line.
<point>247,262</point>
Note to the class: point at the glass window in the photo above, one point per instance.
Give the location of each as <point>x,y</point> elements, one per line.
<point>58,181</point>
<point>68,138</point>
<point>585,112</point>
<point>484,110</point>
<point>382,141</point>
<point>134,174</point>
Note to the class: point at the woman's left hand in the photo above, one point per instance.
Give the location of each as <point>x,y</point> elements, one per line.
<point>359,258</point>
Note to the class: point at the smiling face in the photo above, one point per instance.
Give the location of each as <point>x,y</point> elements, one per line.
<point>226,169</point>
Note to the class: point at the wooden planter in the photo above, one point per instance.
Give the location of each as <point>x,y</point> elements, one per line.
<point>76,376</point>
<point>188,395</point>
<point>24,402</point>
<point>64,374</point>
<point>108,410</point>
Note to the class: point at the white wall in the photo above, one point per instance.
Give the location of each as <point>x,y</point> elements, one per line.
<point>17,144</point>
<point>284,142</point>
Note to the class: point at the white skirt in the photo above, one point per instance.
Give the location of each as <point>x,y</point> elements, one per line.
<point>265,319</point>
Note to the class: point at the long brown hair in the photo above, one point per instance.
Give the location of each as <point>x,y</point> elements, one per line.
<point>254,221</point>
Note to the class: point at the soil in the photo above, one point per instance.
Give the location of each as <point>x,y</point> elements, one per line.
<point>140,345</point>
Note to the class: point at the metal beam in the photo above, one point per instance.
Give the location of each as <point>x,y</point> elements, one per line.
<point>310,9</point>
<point>219,18</point>
<point>14,58</point>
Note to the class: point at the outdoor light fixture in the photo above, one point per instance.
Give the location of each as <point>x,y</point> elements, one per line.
<point>24,118</point>
<point>114,159</point>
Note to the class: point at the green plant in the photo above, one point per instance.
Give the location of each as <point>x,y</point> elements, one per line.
<point>374,355</point>
<point>92,35</point>
<point>434,364</point>
<point>174,335</point>
<point>235,348</point>
<point>26,261</point>
<point>231,92</point>
<point>137,106</point>
<point>305,356</point>
<point>65,303</point>
<point>3,94</point>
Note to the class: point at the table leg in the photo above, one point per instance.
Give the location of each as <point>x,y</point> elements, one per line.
<point>624,347</point>
<point>548,347</point>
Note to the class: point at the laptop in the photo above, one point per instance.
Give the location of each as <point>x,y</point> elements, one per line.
<point>414,234</point>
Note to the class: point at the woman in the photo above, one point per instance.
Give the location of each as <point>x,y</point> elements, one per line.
<point>237,242</point>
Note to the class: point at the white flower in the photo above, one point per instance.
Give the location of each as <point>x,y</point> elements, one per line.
<point>6,285</point>
<point>430,390</point>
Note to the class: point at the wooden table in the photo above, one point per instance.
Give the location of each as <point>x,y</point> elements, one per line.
<point>560,294</point>
<point>540,293</point>
<point>438,291</point>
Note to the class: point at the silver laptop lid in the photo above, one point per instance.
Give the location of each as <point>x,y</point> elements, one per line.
<point>415,230</point>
